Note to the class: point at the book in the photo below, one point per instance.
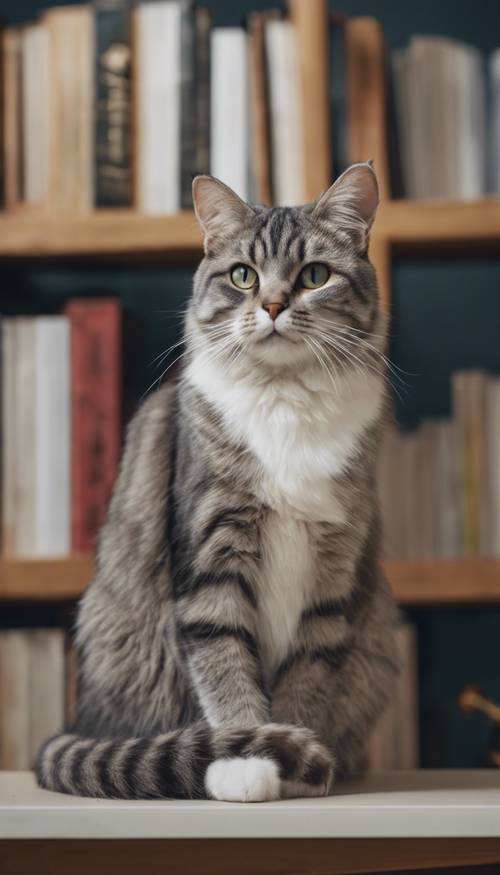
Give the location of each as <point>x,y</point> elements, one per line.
<point>202,91</point>
<point>96,350</point>
<point>71,35</point>
<point>229,108</point>
<point>157,37</point>
<point>35,109</point>
<point>494,137</point>
<point>286,120</point>
<point>113,104</point>
<point>71,682</point>
<point>493,462</point>
<point>367,97</point>
<point>36,445</point>
<point>9,442</point>
<point>15,744</point>
<point>188,84</point>
<point>440,101</point>
<point>338,98</point>
<point>31,693</point>
<point>469,406</point>
<point>394,743</point>
<point>310,21</point>
<point>11,116</point>
<point>260,165</point>
<point>53,436</point>
<point>46,686</point>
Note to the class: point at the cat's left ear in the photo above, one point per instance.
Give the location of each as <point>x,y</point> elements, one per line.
<point>220,212</point>
<point>355,194</point>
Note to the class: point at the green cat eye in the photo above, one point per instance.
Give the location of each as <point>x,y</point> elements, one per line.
<point>243,277</point>
<point>314,275</point>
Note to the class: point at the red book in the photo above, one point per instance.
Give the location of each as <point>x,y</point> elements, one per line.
<point>96,342</point>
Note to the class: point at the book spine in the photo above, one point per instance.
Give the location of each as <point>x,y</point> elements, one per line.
<point>202,89</point>
<point>367,96</point>
<point>113,169</point>
<point>188,102</point>
<point>14,700</point>
<point>96,418</point>
<point>46,686</point>
<point>310,19</point>
<point>260,153</point>
<point>11,116</point>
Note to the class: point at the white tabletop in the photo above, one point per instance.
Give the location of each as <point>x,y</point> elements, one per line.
<point>384,805</point>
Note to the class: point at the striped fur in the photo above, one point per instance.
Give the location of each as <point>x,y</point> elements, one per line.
<point>238,609</point>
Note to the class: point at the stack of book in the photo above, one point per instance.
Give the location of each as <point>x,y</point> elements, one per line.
<point>449,142</point>
<point>440,484</point>
<point>118,104</point>
<point>36,692</point>
<point>61,423</point>
<point>121,104</point>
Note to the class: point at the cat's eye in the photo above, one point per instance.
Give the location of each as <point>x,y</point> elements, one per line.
<point>243,277</point>
<point>314,275</point>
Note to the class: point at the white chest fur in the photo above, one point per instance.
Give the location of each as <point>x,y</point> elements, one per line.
<point>303,434</point>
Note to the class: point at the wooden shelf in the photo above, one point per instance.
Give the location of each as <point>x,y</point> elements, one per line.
<point>434,582</point>
<point>30,234</point>
<point>44,579</point>
<point>408,222</point>
<point>445,581</point>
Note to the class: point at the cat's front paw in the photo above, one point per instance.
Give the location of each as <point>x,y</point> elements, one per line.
<point>237,779</point>
<point>301,758</point>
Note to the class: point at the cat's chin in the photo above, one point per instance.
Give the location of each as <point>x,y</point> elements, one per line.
<point>279,350</point>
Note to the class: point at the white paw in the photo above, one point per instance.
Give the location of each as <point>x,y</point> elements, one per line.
<point>243,780</point>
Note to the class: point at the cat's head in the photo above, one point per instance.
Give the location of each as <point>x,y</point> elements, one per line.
<point>287,286</point>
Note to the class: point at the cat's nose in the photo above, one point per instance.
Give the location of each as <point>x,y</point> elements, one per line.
<point>274,309</point>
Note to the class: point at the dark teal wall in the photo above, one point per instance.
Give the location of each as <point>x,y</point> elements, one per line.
<point>447,315</point>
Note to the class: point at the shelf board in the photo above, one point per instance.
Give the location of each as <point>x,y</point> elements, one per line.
<point>419,222</point>
<point>125,233</point>
<point>432,582</point>
<point>445,581</point>
<point>45,579</point>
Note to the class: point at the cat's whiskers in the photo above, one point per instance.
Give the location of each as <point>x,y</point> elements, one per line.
<point>317,351</point>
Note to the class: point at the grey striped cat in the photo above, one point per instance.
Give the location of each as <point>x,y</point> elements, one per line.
<point>237,641</point>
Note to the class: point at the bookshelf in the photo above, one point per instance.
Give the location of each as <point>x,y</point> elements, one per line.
<point>415,584</point>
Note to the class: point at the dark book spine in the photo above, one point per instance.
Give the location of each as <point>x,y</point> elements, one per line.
<point>113,169</point>
<point>202,88</point>
<point>188,101</point>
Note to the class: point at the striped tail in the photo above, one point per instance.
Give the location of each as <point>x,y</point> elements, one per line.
<point>174,765</point>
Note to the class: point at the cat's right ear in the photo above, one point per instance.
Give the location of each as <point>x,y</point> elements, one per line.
<point>219,210</point>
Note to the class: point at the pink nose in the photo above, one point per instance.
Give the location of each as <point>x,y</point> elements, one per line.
<point>274,309</point>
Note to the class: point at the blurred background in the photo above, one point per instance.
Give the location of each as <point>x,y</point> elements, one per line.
<point>107,112</point>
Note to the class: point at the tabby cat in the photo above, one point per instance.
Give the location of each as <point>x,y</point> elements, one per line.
<point>237,641</point>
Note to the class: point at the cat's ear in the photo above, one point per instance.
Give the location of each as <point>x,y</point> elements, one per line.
<point>355,193</point>
<point>219,210</point>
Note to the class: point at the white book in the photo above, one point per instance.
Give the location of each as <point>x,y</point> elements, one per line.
<point>493,462</point>
<point>8,433</point>
<point>46,686</point>
<point>52,451</point>
<point>35,103</point>
<point>25,428</point>
<point>15,751</point>
<point>229,108</point>
<point>286,115</point>
<point>158,32</point>
<point>471,136</point>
